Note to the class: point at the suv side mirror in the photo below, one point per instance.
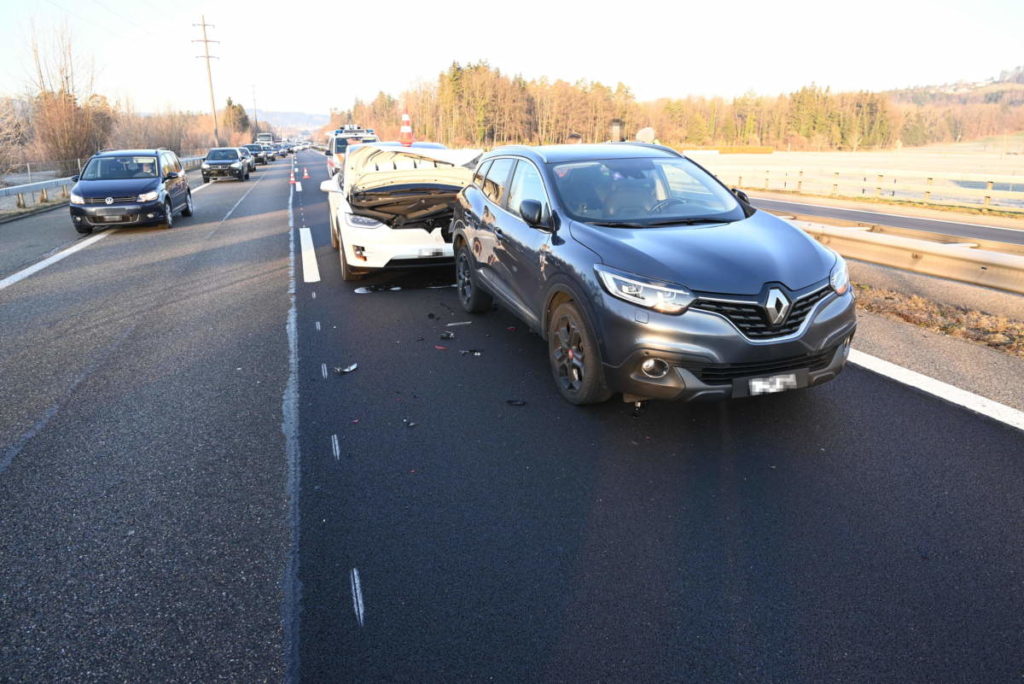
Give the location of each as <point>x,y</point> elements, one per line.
<point>327,153</point>
<point>741,196</point>
<point>172,175</point>
<point>74,179</point>
<point>533,213</point>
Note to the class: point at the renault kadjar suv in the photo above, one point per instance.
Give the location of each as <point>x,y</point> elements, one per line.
<point>649,277</point>
<point>130,188</point>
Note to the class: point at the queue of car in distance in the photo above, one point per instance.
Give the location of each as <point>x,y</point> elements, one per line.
<point>129,188</point>
<point>648,277</point>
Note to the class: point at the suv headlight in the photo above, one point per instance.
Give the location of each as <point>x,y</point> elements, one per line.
<point>362,221</point>
<point>205,165</point>
<point>237,165</point>
<point>149,196</point>
<point>77,199</point>
<point>643,292</point>
<point>840,277</point>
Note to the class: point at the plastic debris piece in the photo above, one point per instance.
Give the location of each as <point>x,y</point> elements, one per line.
<point>396,288</point>
<point>420,338</point>
<point>355,420</point>
<point>511,328</point>
<point>447,335</point>
<point>456,324</point>
<point>515,402</point>
<point>408,423</point>
<point>470,352</point>
<point>431,315</point>
<point>440,347</point>
<point>346,370</point>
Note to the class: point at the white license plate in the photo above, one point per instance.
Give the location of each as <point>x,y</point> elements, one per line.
<point>772,384</point>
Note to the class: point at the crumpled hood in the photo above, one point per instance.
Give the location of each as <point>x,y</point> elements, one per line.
<point>733,258</point>
<point>115,188</point>
<point>400,197</point>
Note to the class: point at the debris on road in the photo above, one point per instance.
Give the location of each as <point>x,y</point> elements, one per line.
<point>515,402</point>
<point>456,324</point>
<point>448,335</point>
<point>440,347</point>
<point>408,423</point>
<point>431,315</point>
<point>346,370</point>
<point>470,352</point>
<point>511,328</point>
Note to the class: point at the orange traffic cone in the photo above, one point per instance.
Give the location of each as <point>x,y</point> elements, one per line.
<point>305,173</point>
<point>292,179</point>
<point>405,132</point>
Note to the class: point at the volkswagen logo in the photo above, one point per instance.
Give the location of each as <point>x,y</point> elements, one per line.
<point>109,200</point>
<point>776,307</point>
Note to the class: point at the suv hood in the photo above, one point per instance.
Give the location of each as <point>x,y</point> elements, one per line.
<point>730,258</point>
<point>412,195</point>
<point>112,188</point>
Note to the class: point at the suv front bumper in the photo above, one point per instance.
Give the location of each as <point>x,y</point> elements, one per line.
<point>135,214</point>
<point>709,358</point>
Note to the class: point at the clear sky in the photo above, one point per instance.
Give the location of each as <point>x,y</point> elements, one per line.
<point>311,55</point>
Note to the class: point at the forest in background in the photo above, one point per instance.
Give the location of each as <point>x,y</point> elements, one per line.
<point>478,105</point>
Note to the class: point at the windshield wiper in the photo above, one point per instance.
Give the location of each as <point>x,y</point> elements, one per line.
<point>687,222</point>
<point>618,224</point>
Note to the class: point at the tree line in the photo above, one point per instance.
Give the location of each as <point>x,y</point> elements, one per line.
<point>479,105</point>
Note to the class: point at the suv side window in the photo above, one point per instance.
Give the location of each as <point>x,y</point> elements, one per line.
<point>166,166</point>
<point>175,162</point>
<point>496,184</point>
<point>481,171</point>
<point>527,185</point>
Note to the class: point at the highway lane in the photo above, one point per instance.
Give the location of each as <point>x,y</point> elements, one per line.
<point>860,530</point>
<point>143,527</point>
<point>857,531</point>
<point>967,227</point>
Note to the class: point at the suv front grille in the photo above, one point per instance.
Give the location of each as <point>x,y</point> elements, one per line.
<point>750,317</point>
<point>724,373</point>
<point>117,200</point>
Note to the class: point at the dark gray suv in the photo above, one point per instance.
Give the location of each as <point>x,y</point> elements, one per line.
<point>649,277</point>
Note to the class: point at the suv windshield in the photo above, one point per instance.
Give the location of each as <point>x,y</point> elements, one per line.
<point>254,148</point>
<point>119,168</point>
<point>222,155</point>
<point>642,192</point>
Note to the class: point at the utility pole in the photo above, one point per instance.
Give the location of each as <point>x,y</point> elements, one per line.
<point>255,116</point>
<point>209,74</point>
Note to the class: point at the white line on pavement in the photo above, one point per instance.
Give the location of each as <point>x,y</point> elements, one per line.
<point>298,186</point>
<point>204,185</point>
<point>310,271</point>
<point>335,447</point>
<point>357,595</point>
<point>35,268</point>
<point>318,326</point>
<point>955,395</point>
<point>323,370</point>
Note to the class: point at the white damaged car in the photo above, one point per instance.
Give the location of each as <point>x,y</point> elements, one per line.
<point>391,206</point>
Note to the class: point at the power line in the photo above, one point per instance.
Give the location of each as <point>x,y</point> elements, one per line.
<point>209,73</point>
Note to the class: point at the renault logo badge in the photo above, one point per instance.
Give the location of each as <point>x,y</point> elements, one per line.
<point>777,306</point>
<point>109,200</point>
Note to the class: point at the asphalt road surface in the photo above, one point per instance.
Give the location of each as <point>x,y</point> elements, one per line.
<point>151,497</point>
<point>966,228</point>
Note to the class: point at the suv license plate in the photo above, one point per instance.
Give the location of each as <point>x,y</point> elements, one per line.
<point>772,384</point>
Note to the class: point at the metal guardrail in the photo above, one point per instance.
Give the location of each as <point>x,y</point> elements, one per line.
<point>43,187</point>
<point>957,261</point>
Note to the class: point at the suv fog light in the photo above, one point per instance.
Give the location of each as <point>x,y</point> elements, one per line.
<point>358,252</point>
<point>654,368</point>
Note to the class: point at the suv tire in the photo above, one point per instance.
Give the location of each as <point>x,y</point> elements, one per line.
<point>187,211</point>
<point>347,272</point>
<point>472,298</point>
<point>574,357</point>
<point>168,214</point>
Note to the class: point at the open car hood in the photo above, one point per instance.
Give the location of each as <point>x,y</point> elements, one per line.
<point>408,196</point>
<point>372,159</point>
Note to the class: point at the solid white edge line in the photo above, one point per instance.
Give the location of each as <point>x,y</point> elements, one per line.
<point>201,186</point>
<point>35,268</point>
<point>878,213</point>
<point>955,395</point>
<point>310,270</point>
<point>357,595</point>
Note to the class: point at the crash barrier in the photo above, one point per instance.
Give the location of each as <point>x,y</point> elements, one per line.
<point>39,193</point>
<point>982,191</point>
<point>962,261</point>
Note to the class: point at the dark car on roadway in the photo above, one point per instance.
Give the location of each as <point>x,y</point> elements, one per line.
<point>130,187</point>
<point>649,277</point>
<point>225,162</point>
<point>258,152</point>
